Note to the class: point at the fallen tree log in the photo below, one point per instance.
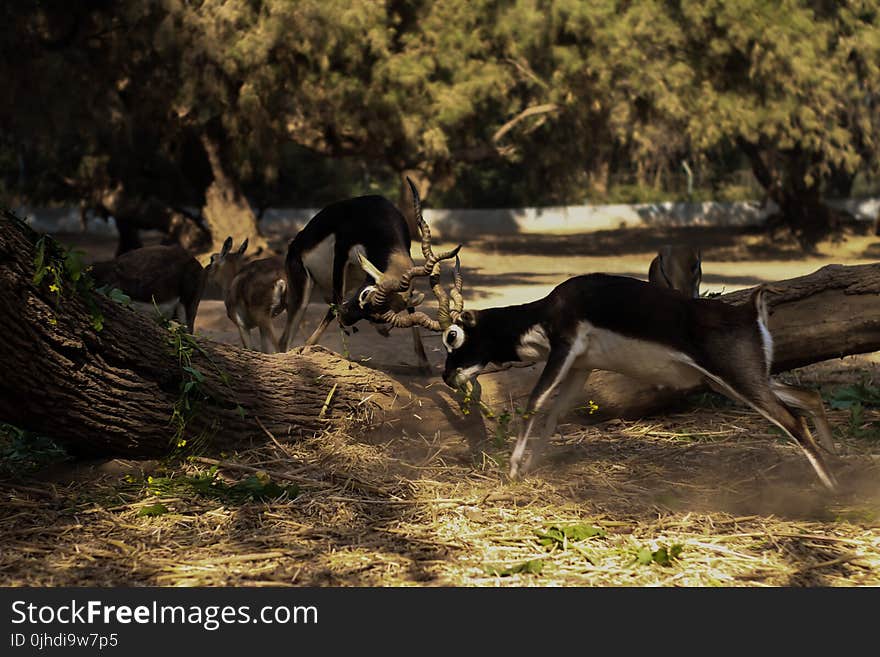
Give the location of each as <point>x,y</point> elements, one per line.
<point>103,379</point>
<point>831,313</point>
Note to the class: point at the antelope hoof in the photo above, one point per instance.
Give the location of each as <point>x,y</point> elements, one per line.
<point>520,467</point>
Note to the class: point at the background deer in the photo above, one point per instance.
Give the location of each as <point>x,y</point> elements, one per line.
<point>678,268</point>
<point>254,293</point>
<point>357,253</point>
<point>167,276</point>
<point>641,330</point>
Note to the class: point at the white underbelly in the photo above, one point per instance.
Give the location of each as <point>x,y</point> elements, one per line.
<point>648,361</point>
<point>319,263</point>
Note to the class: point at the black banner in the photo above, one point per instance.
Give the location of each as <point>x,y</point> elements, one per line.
<point>159,621</point>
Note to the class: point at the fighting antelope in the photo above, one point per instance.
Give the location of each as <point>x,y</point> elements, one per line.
<point>679,268</point>
<point>356,252</point>
<point>253,292</point>
<point>641,330</point>
<point>167,276</point>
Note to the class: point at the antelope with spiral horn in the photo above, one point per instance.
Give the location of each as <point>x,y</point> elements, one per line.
<point>357,253</point>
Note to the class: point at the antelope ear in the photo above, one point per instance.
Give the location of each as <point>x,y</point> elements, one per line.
<point>468,318</point>
<point>243,247</point>
<point>227,244</point>
<point>416,298</point>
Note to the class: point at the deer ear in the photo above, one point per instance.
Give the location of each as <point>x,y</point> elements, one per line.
<point>243,247</point>
<point>227,244</point>
<point>468,318</point>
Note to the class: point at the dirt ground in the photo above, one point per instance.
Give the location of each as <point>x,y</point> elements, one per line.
<point>710,496</point>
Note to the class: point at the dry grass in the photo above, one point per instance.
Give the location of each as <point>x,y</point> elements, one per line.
<point>404,508</point>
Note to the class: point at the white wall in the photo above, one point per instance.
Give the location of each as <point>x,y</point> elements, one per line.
<point>456,224</point>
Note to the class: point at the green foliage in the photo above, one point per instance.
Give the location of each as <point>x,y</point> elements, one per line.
<point>153,510</point>
<point>502,428</point>
<point>57,265</point>
<point>559,536</point>
<point>662,556</point>
<point>114,294</point>
<point>193,393</point>
<point>22,452</point>
<point>531,567</point>
<point>367,91</point>
<point>255,488</point>
<point>858,427</point>
<point>863,393</point>
<point>856,397</point>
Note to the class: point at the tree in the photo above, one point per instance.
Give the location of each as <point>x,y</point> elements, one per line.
<point>206,103</point>
<point>796,86</point>
<point>94,92</point>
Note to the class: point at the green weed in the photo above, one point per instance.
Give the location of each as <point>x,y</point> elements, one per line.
<point>22,452</point>
<point>662,556</point>
<point>255,488</point>
<point>531,567</point>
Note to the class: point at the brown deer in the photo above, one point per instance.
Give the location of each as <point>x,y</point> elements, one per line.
<point>678,268</point>
<point>165,277</point>
<point>254,293</point>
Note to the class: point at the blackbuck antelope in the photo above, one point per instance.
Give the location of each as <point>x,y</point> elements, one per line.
<point>641,330</point>
<point>163,277</point>
<point>679,268</point>
<point>357,253</point>
<point>254,293</point>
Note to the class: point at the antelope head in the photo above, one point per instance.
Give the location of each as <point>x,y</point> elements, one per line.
<point>678,267</point>
<point>225,265</point>
<point>390,299</point>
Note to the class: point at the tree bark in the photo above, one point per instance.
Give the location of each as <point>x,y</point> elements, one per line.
<point>831,313</point>
<point>111,392</point>
<point>227,212</point>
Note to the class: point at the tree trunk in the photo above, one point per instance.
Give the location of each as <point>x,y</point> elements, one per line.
<point>111,392</point>
<point>227,212</point>
<point>801,207</point>
<point>133,214</point>
<point>831,313</point>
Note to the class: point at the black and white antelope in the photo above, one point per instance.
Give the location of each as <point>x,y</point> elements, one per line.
<point>254,293</point>
<point>357,253</point>
<point>638,329</point>
<point>679,268</point>
<point>167,278</point>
